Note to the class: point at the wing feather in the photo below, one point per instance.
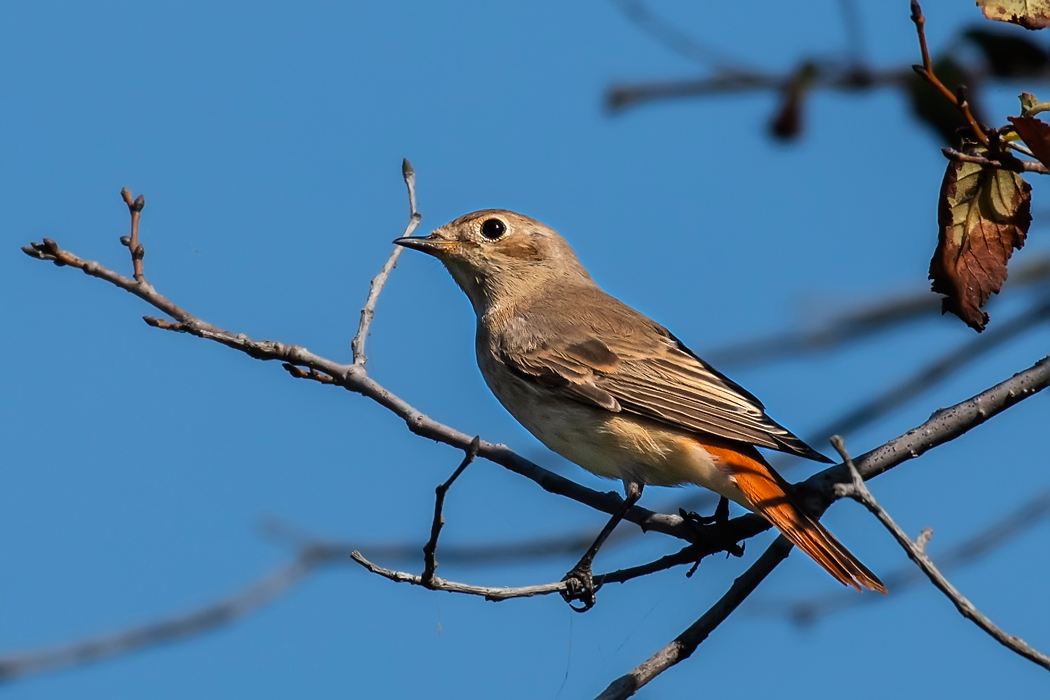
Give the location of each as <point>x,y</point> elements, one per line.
<point>661,380</point>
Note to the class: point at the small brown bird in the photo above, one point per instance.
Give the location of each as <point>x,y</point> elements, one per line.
<point>612,390</point>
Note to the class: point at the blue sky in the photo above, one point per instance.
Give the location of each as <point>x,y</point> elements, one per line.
<point>268,140</point>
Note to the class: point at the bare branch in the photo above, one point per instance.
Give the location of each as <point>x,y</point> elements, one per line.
<point>683,646</point>
<point>436,583</point>
<point>354,377</point>
<point>430,548</point>
<point>377,283</point>
<point>1024,165</point>
<point>687,555</point>
<point>926,72</point>
<point>856,490</point>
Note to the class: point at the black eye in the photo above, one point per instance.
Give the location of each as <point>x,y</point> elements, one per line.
<point>493,229</point>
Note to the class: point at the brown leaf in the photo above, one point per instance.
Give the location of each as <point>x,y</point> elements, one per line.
<point>1030,14</point>
<point>1036,133</point>
<point>983,214</point>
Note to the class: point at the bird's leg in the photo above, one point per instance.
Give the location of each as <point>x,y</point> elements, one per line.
<point>700,524</point>
<point>580,580</point>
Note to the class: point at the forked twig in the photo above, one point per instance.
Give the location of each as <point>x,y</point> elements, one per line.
<point>916,550</point>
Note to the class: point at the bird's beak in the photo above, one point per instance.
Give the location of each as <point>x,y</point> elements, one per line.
<point>431,245</point>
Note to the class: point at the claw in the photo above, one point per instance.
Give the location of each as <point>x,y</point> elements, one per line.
<point>579,586</point>
<point>720,517</point>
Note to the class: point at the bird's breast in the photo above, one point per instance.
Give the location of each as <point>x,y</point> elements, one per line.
<point>613,445</point>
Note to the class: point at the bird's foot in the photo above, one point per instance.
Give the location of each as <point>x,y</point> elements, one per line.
<point>579,585</point>
<point>701,524</point>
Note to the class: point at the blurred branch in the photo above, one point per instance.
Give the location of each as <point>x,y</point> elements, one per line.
<point>827,76</point>
<point>671,37</point>
<point>855,325</point>
<point>968,551</point>
<point>936,372</point>
<point>917,552</point>
<point>312,555</point>
<point>207,618</point>
<point>855,42</point>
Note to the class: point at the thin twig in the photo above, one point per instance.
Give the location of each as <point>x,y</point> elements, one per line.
<point>436,583</point>
<point>357,345</point>
<point>683,646</point>
<point>687,555</point>
<point>430,548</point>
<point>138,252</point>
<point>1025,165</point>
<point>968,551</point>
<point>916,550</point>
<point>926,72</point>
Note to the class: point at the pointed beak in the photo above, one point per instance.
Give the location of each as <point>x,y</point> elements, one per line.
<point>431,245</point>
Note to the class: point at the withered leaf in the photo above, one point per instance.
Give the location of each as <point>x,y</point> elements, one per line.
<point>982,215</point>
<point>1036,134</point>
<point>1030,14</point>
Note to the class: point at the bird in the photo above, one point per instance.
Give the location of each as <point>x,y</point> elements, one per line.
<point>615,392</point>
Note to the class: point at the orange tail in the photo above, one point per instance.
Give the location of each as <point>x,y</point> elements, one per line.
<point>769,495</point>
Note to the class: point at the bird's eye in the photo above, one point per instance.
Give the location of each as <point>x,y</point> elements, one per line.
<point>493,229</point>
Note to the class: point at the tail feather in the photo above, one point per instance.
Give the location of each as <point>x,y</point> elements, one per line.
<point>769,494</point>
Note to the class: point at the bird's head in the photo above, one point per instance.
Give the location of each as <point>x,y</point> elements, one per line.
<point>499,257</point>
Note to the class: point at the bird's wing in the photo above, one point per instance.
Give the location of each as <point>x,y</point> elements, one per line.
<point>653,374</point>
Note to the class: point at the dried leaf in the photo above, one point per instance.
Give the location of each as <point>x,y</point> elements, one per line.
<point>1036,133</point>
<point>983,214</point>
<point>1030,14</point>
